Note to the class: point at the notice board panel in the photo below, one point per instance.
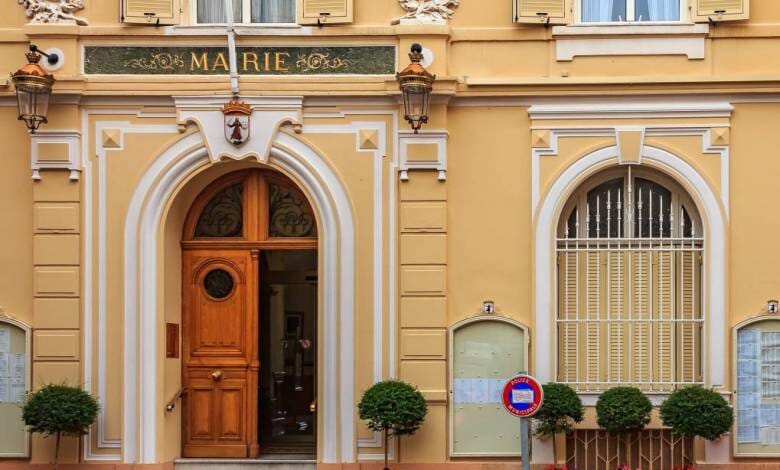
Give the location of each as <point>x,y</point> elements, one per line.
<point>485,354</point>
<point>14,384</point>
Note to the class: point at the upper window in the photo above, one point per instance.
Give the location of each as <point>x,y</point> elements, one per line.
<point>247,11</point>
<point>630,312</point>
<point>608,11</point>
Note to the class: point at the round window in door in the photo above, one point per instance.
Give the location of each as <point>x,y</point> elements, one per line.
<point>218,284</point>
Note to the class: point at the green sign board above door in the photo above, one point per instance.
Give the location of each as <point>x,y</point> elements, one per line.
<point>261,60</point>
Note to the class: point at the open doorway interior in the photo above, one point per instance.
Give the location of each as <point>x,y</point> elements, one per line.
<point>288,353</point>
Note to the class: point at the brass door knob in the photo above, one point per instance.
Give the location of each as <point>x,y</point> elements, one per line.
<point>216,376</point>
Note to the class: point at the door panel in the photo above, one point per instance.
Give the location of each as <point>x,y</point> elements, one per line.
<point>220,352</point>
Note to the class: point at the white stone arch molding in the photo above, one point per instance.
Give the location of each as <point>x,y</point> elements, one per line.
<point>142,352</point>
<point>715,221</point>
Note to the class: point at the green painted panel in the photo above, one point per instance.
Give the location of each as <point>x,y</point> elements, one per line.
<point>13,384</point>
<point>486,354</point>
<point>270,60</point>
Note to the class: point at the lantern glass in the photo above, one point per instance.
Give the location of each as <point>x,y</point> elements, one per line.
<point>416,105</point>
<point>33,101</point>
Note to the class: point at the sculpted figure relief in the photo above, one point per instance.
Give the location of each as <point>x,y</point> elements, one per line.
<point>46,11</point>
<point>428,11</point>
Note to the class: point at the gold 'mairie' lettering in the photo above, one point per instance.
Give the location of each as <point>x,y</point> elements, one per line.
<point>220,62</point>
<point>250,58</point>
<point>279,63</point>
<point>202,63</point>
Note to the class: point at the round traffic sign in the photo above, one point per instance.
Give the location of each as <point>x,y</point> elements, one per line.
<point>522,396</point>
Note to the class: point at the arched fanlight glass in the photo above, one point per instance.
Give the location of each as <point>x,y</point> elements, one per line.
<point>416,85</point>
<point>33,88</point>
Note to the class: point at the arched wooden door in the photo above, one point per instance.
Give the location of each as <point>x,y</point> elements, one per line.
<point>238,227</point>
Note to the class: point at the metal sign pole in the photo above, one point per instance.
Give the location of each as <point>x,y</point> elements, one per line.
<point>525,447</point>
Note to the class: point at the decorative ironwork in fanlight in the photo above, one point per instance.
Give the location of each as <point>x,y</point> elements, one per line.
<point>223,216</point>
<point>218,284</point>
<point>648,214</point>
<point>290,215</point>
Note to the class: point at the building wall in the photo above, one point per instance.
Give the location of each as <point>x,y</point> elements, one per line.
<point>432,240</point>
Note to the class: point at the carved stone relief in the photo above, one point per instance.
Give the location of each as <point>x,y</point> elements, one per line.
<point>427,11</point>
<point>53,11</point>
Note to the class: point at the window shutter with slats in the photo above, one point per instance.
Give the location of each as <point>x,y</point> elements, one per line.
<point>324,11</point>
<point>720,10</point>
<point>151,12</point>
<point>542,11</point>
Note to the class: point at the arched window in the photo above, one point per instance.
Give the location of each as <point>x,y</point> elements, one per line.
<point>629,252</point>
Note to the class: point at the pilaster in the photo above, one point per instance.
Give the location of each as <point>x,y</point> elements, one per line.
<point>56,294</point>
<point>423,307</point>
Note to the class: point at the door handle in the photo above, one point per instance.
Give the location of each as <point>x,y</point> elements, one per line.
<point>216,376</point>
<point>313,406</point>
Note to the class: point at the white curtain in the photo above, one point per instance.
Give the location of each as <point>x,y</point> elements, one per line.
<point>215,11</point>
<point>660,10</point>
<point>273,11</point>
<point>600,11</point>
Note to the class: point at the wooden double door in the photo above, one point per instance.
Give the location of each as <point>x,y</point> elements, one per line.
<point>226,301</point>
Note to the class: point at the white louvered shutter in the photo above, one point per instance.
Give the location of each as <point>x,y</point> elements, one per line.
<point>720,10</point>
<point>542,11</point>
<point>616,309</point>
<point>568,327</point>
<point>688,330</point>
<point>312,12</point>
<point>663,330</point>
<point>594,306</point>
<point>151,12</point>
<point>641,315</point>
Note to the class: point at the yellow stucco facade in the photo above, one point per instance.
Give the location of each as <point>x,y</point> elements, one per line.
<point>415,231</point>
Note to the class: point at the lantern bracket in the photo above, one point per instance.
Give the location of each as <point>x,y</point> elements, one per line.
<point>51,59</point>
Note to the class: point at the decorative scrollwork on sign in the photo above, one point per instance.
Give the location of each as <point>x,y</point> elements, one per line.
<point>223,216</point>
<point>317,61</point>
<point>290,213</point>
<point>47,11</point>
<point>160,60</point>
<point>428,11</point>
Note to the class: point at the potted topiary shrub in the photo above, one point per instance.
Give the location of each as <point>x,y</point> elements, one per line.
<point>697,411</point>
<point>59,410</point>
<point>623,410</point>
<point>561,409</point>
<point>393,408</point>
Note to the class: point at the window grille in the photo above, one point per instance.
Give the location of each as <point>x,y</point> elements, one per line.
<point>629,281</point>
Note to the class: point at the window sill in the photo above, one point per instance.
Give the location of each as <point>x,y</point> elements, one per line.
<point>259,29</point>
<point>623,39</point>
<point>632,29</point>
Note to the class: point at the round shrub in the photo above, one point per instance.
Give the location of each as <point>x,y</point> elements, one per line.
<point>561,408</point>
<point>394,408</point>
<point>59,410</point>
<point>697,411</point>
<point>623,410</point>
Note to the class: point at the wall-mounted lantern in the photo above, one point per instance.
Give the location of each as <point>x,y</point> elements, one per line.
<point>33,88</point>
<point>416,85</point>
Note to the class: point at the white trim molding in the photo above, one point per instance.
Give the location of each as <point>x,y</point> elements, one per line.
<point>44,160</point>
<point>438,163</point>
<point>545,144</point>
<point>715,262</point>
<point>651,109</point>
<point>152,196</point>
<point>567,49</point>
<point>269,113</point>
